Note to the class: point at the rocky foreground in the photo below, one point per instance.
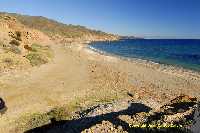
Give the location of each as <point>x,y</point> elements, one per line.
<point>179,115</point>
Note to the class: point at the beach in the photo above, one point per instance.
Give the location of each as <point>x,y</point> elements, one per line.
<point>79,77</point>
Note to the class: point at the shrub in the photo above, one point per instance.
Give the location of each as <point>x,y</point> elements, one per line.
<point>14,42</point>
<point>59,113</point>
<point>27,48</point>
<point>30,121</point>
<point>39,54</point>
<point>18,36</point>
<point>10,48</point>
<point>2,45</point>
<point>8,61</point>
<point>36,58</point>
<point>36,47</point>
<point>15,50</point>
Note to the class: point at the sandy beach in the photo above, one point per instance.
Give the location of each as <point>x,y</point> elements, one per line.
<point>167,79</point>
<point>79,78</point>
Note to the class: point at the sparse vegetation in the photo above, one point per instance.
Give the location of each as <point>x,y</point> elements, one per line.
<point>17,35</point>
<point>2,45</point>
<point>27,48</point>
<point>36,59</point>
<point>8,61</point>
<point>39,55</point>
<point>51,27</point>
<point>59,113</point>
<point>12,48</point>
<point>30,121</point>
<point>14,42</point>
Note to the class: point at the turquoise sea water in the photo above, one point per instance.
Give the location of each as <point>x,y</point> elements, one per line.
<point>183,53</point>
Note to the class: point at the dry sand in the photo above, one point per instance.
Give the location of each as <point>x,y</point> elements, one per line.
<point>77,74</point>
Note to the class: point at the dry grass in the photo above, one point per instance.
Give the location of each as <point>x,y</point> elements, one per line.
<point>12,61</point>
<point>30,121</point>
<point>10,48</point>
<point>39,55</point>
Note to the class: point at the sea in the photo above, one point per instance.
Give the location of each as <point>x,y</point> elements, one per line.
<point>183,53</point>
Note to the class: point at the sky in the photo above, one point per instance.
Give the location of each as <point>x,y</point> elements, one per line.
<point>143,18</point>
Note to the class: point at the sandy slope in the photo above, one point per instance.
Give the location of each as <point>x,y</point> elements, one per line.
<point>70,78</point>
<point>44,87</point>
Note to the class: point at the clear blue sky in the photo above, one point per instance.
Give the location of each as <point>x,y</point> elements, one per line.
<point>165,18</point>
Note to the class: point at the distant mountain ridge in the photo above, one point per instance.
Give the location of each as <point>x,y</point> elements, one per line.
<point>130,37</point>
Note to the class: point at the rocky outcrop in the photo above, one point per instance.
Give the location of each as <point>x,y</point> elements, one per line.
<point>3,107</point>
<point>175,116</point>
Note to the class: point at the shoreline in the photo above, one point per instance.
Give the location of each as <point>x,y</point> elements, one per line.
<point>79,78</point>
<point>155,78</point>
<point>107,64</point>
<point>167,68</point>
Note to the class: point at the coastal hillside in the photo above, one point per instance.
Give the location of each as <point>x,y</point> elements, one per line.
<point>27,39</point>
<point>21,47</point>
<point>62,32</point>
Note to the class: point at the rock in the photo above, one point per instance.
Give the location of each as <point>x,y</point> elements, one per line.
<point>175,116</point>
<point>2,106</point>
<point>180,104</point>
<point>130,94</point>
<point>104,127</point>
<point>183,98</point>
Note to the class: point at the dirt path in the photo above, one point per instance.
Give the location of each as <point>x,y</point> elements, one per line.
<point>43,87</point>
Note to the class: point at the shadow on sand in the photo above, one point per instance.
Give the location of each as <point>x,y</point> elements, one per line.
<point>78,125</point>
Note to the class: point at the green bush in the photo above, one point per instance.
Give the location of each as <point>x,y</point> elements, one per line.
<point>39,54</point>
<point>59,113</point>
<point>36,47</point>
<point>37,58</point>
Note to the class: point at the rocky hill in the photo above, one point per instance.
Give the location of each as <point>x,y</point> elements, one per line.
<point>25,40</point>
<point>62,32</point>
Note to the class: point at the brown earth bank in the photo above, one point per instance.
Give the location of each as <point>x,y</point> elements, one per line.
<point>51,78</point>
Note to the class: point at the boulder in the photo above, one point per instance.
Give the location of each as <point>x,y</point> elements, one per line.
<point>3,107</point>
